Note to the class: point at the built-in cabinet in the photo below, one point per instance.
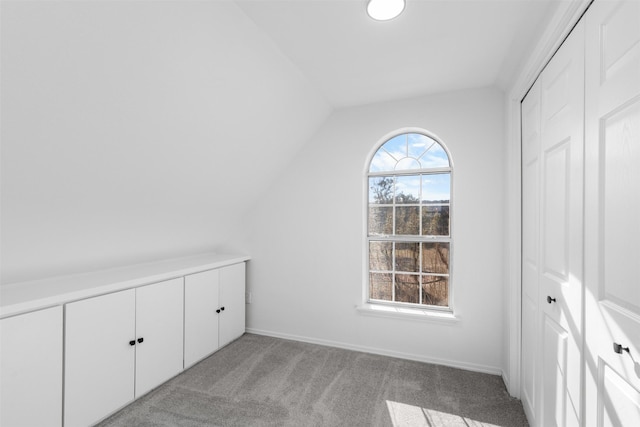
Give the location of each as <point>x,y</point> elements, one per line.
<point>118,342</point>
<point>31,369</point>
<point>214,311</point>
<point>118,347</point>
<point>581,239</point>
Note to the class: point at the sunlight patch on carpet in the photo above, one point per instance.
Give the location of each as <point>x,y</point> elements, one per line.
<point>404,415</point>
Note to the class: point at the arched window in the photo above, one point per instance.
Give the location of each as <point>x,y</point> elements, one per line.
<point>408,225</point>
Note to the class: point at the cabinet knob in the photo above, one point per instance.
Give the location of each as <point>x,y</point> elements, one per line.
<point>218,311</point>
<point>618,348</point>
<point>132,342</point>
<point>140,340</point>
<point>222,308</point>
<point>550,300</point>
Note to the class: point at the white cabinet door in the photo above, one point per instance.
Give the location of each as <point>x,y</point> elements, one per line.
<point>232,303</point>
<point>99,357</point>
<point>201,300</point>
<point>159,333</point>
<point>31,369</point>
<point>612,214</point>
<point>214,311</point>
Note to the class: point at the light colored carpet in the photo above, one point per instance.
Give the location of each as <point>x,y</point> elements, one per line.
<point>264,381</point>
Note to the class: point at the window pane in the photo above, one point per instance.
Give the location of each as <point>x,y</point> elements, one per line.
<point>397,146</point>
<point>435,290</point>
<point>381,190</point>
<point>380,255</point>
<point>382,162</point>
<point>418,144</point>
<point>380,220</point>
<point>407,220</point>
<point>436,157</point>
<point>408,189</point>
<point>408,288</point>
<point>408,163</point>
<point>435,258</point>
<point>436,188</point>
<point>408,257</point>
<point>435,220</point>
<point>380,286</point>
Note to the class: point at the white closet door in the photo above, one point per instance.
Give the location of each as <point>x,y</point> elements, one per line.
<point>612,214</point>
<point>201,300</point>
<point>530,253</point>
<point>232,303</point>
<point>561,232</point>
<point>159,333</point>
<point>99,360</point>
<point>31,369</point>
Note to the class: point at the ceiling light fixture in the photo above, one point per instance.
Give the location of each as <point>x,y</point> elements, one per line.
<point>383,10</point>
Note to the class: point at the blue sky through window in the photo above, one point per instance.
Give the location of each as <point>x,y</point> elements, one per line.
<point>409,151</point>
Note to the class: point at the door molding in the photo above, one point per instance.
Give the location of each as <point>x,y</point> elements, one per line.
<point>562,22</point>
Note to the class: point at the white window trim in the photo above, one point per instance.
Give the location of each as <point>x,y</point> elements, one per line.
<point>409,312</point>
<point>393,309</point>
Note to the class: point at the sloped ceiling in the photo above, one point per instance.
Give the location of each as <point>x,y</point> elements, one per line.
<point>433,46</point>
<point>134,130</point>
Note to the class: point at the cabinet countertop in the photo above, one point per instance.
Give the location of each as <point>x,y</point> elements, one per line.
<point>17,298</point>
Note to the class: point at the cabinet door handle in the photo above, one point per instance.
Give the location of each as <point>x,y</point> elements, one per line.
<point>550,300</point>
<point>222,308</point>
<point>140,340</point>
<point>132,342</point>
<point>218,311</point>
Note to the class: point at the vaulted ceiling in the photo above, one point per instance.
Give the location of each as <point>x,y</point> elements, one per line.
<point>433,46</point>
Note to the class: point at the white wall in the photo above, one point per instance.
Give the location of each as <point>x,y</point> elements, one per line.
<point>306,234</point>
<point>137,130</point>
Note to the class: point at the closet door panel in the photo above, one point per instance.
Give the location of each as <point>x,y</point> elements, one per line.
<point>530,248</point>
<point>558,408</point>
<point>612,245</point>
<point>561,232</point>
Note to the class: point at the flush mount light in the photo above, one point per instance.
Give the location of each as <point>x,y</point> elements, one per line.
<point>383,10</point>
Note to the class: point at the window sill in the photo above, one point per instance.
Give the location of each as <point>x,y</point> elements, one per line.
<point>380,310</point>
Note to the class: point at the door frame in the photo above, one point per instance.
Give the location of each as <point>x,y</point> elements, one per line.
<point>560,25</point>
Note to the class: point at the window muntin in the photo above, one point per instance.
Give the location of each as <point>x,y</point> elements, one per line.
<point>408,222</point>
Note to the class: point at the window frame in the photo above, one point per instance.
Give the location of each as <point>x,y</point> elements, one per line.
<point>404,307</point>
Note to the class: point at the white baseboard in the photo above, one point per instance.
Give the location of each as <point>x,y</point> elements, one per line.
<point>408,356</point>
<point>505,379</point>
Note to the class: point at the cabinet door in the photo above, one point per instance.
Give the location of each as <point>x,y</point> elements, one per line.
<point>159,339</point>
<point>99,361</point>
<point>232,303</point>
<point>201,301</point>
<point>31,369</point>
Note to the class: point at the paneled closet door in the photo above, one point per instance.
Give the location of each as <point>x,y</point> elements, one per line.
<point>530,237</point>
<point>561,232</point>
<point>612,214</point>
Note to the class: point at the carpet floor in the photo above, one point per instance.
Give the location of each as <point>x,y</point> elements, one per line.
<point>264,381</point>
